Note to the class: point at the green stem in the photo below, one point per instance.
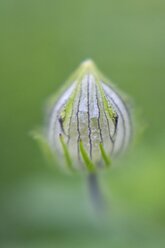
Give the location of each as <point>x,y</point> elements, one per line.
<point>95,192</point>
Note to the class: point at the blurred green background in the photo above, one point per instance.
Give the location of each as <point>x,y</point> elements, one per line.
<point>41,43</point>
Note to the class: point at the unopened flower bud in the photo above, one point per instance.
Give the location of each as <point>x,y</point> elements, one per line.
<point>90,122</point>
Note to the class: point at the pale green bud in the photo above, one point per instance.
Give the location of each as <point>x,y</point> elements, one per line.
<point>90,122</point>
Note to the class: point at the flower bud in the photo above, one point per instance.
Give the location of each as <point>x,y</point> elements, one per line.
<point>90,122</point>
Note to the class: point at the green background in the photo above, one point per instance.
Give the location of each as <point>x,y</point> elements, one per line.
<point>41,43</point>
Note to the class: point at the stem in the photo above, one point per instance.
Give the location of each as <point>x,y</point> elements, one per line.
<point>95,192</point>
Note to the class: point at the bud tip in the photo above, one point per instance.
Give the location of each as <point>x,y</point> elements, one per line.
<point>88,63</point>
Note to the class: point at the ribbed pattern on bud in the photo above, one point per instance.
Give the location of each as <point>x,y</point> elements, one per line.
<point>90,123</point>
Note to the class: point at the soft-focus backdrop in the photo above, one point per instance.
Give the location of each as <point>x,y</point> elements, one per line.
<point>41,43</point>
